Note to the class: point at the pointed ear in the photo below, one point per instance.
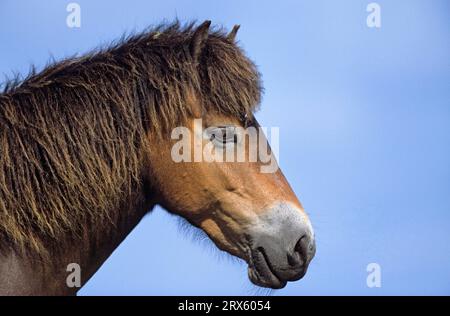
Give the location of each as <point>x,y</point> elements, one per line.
<point>232,35</point>
<point>199,38</point>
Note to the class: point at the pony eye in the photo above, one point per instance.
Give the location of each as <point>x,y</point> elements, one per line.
<point>223,135</point>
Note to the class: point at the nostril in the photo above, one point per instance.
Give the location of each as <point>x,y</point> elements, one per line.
<point>294,259</point>
<point>297,257</point>
<point>303,252</point>
<point>308,247</point>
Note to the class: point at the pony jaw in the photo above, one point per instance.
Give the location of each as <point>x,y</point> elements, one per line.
<point>277,244</point>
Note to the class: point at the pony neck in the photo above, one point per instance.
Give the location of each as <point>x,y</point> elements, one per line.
<point>31,275</point>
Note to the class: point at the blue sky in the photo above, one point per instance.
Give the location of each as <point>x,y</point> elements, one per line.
<point>364,117</point>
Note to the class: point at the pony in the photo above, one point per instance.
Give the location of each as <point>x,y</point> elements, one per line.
<point>85,153</point>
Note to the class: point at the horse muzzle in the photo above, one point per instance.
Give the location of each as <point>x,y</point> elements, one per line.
<point>282,246</point>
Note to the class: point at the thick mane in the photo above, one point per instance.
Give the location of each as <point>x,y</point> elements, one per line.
<point>72,137</point>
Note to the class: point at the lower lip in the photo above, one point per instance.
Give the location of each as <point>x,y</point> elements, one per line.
<point>268,277</point>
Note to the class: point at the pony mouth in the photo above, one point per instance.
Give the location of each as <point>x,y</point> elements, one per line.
<point>261,273</point>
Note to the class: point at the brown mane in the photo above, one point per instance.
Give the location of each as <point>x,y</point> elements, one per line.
<point>72,137</point>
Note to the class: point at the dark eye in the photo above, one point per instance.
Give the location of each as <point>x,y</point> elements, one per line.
<point>223,135</point>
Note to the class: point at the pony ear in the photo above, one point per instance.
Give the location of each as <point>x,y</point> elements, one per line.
<point>198,39</point>
<point>232,35</point>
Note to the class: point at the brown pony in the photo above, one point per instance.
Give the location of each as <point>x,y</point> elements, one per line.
<point>85,153</point>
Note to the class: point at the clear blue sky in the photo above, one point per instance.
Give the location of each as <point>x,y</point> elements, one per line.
<point>364,117</point>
